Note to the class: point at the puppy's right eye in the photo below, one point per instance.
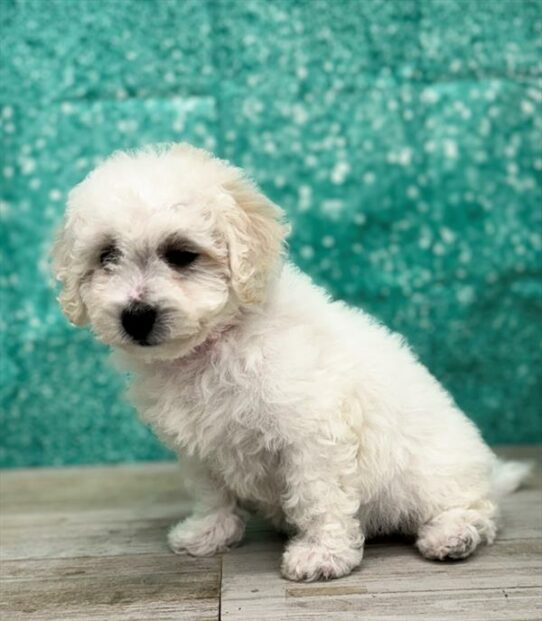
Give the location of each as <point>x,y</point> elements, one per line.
<point>109,254</point>
<point>179,258</point>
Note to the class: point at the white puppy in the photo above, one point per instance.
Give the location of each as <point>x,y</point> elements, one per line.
<point>279,400</point>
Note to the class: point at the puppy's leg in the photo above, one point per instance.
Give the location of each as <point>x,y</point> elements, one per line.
<point>215,524</point>
<point>456,533</point>
<point>322,501</point>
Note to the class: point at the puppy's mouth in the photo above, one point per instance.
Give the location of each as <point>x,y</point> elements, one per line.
<point>153,340</point>
<point>146,343</point>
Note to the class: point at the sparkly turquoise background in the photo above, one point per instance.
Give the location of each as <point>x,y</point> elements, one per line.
<point>402,137</point>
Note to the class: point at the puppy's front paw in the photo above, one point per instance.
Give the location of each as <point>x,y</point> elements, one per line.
<point>308,561</point>
<point>206,535</point>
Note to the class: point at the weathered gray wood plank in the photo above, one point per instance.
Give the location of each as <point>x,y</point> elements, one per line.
<point>502,582</point>
<point>89,544</point>
<point>91,488</point>
<point>98,535</point>
<point>252,589</point>
<point>90,511</point>
<point>112,588</point>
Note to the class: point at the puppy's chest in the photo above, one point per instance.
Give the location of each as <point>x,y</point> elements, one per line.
<point>217,412</point>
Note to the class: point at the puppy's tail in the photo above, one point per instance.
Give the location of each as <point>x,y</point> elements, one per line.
<point>508,476</point>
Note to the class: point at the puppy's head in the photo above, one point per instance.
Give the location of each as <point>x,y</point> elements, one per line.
<point>162,247</point>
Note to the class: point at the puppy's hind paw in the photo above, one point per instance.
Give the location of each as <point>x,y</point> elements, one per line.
<point>455,534</point>
<point>455,547</point>
<point>308,561</point>
<point>206,535</point>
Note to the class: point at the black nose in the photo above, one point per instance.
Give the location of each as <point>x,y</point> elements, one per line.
<point>138,321</point>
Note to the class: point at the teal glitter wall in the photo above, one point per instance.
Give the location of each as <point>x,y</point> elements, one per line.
<point>402,137</point>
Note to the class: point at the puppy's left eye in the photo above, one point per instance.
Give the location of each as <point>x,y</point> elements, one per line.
<point>109,254</point>
<point>177,257</point>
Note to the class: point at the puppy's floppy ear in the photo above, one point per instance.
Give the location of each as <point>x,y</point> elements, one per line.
<point>255,232</point>
<point>68,271</point>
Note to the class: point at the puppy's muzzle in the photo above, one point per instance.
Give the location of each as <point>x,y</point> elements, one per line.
<point>138,321</point>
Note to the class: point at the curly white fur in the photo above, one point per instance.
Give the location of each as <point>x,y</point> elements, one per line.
<point>278,399</point>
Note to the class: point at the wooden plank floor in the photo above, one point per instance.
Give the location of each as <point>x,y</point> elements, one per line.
<point>89,544</point>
